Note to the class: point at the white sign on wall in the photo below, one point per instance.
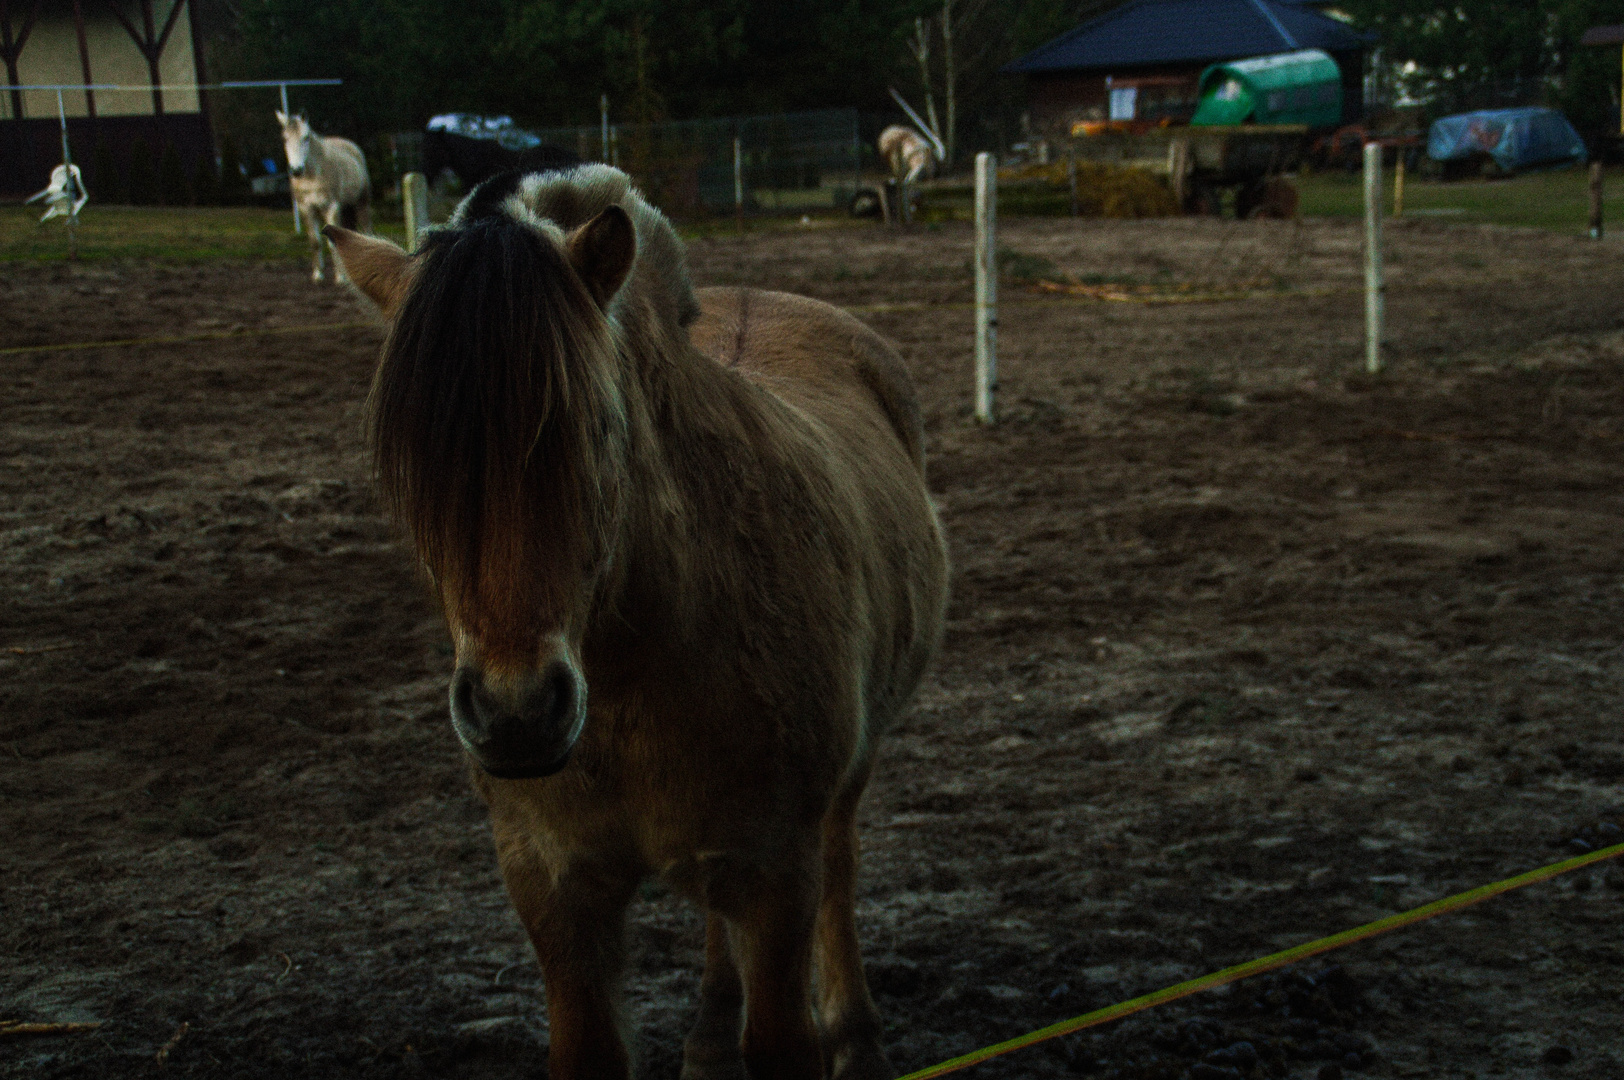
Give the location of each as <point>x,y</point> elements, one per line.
<point>1123,101</point>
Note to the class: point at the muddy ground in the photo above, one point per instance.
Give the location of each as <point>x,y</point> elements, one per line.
<point>1246,647</point>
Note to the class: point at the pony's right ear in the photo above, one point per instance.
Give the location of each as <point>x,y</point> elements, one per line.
<point>282,118</point>
<point>602,252</point>
<point>380,269</point>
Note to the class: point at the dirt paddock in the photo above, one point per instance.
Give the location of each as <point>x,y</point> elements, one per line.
<point>1245,648</point>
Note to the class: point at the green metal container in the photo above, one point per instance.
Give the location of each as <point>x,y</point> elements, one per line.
<point>1291,88</point>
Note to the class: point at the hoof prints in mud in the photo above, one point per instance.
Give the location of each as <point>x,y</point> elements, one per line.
<point>1245,650</point>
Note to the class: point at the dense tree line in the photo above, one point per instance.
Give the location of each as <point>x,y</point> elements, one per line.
<point>1485,53</point>
<point>545,62</point>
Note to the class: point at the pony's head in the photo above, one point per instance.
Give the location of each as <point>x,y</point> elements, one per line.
<point>500,436</point>
<point>296,136</point>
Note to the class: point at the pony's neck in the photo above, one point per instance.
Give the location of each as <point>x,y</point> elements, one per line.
<point>681,408</point>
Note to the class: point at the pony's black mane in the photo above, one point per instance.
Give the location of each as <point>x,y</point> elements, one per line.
<point>494,407</point>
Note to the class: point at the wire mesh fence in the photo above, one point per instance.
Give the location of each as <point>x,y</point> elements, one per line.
<point>790,163</point>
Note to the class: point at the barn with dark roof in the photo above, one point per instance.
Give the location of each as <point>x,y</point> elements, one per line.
<point>1143,60</point>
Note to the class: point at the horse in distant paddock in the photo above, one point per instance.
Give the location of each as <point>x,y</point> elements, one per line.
<point>909,155</point>
<point>64,196</point>
<point>330,185</point>
<point>684,549</point>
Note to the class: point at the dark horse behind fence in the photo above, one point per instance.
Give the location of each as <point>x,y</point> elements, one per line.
<point>684,549</point>
<point>475,160</point>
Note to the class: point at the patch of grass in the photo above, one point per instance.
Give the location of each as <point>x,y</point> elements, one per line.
<point>179,234</point>
<point>1556,199</point>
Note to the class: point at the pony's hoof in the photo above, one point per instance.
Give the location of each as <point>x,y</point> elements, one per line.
<point>712,1059</point>
<point>714,1069</point>
<point>862,1063</point>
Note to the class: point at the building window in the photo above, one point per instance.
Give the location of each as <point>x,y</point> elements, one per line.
<point>1123,100</point>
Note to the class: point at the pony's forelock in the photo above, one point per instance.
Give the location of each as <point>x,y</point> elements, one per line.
<point>497,425</point>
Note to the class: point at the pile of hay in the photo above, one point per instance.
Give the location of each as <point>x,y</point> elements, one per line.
<point>1112,191</point>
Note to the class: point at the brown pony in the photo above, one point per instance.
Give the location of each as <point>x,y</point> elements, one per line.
<point>685,552</point>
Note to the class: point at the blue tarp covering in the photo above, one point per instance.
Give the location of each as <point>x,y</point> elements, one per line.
<point>1514,138</point>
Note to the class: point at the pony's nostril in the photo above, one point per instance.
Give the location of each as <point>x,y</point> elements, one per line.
<point>465,708</point>
<point>552,702</point>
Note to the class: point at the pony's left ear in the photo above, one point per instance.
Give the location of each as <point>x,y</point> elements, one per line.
<point>602,252</point>
<point>380,269</point>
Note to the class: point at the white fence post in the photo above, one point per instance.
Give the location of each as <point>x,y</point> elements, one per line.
<point>1374,288</point>
<point>414,191</point>
<point>986,260</point>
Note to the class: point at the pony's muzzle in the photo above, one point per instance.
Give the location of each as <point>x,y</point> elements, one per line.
<point>520,728</point>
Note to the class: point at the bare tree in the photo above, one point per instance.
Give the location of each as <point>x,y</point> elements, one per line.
<point>919,45</point>
<point>948,81</point>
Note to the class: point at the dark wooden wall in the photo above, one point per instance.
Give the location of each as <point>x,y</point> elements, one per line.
<point>30,148</point>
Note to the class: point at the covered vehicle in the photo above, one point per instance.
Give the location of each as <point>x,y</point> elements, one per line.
<point>475,148</point>
<point>1513,138</point>
<point>1303,87</point>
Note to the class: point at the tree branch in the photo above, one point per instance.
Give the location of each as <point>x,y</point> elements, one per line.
<point>174,13</point>
<point>129,28</point>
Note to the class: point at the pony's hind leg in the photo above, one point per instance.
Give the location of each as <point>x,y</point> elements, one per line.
<point>851,1023</point>
<point>711,1051</point>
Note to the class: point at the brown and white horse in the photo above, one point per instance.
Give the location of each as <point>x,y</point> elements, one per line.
<point>908,154</point>
<point>330,185</point>
<point>685,552</point>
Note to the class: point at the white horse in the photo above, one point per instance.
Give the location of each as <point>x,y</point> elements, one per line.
<point>65,194</point>
<point>330,186</point>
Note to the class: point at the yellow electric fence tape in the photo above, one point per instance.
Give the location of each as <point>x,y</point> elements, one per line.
<point>1267,963</point>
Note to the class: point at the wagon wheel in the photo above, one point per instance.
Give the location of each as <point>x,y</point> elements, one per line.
<point>1203,199</point>
<point>866,202</point>
<point>1180,163</point>
<point>1249,199</point>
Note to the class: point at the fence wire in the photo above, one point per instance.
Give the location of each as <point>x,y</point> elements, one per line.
<point>790,163</point>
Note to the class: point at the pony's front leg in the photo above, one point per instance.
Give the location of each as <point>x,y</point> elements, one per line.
<point>711,1051</point>
<point>330,265</point>
<point>333,216</point>
<point>320,250</point>
<point>576,925</point>
<point>772,919</point>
